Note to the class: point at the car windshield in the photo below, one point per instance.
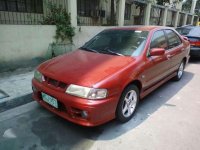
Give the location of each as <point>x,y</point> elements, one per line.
<point>118,42</point>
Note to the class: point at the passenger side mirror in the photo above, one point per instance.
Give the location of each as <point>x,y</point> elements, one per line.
<point>185,38</point>
<point>157,51</point>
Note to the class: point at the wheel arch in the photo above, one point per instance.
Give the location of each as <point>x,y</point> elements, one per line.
<point>136,82</point>
<point>118,111</point>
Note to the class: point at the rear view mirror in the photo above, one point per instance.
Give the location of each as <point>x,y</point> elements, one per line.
<point>157,51</point>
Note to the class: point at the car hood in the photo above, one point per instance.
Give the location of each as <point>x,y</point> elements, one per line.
<point>83,68</point>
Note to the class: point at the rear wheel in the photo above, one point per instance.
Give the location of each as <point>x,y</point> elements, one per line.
<point>127,103</point>
<point>180,71</point>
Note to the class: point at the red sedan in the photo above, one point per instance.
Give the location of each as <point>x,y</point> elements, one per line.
<point>106,78</point>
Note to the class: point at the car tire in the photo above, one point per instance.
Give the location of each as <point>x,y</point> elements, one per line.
<point>127,104</point>
<point>180,71</point>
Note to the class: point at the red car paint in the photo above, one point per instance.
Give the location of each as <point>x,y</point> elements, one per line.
<point>109,72</point>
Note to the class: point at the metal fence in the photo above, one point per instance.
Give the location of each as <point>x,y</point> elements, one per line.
<point>137,14</point>
<point>90,12</point>
<point>171,18</point>
<point>181,19</point>
<point>140,17</point>
<point>96,12</point>
<point>189,18</point>
<point>156,16</point>
<point>20,18</point>
<point>26,13</point>
<point>195,20</point>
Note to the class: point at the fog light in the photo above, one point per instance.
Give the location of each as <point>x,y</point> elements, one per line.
<point>84,114</point>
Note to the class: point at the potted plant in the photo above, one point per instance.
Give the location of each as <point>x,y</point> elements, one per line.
<point>58,16</point>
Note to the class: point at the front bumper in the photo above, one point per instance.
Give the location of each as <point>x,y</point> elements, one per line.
<point>71,107</point>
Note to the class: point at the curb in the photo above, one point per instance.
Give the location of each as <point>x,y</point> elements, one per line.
<point>6,105</point>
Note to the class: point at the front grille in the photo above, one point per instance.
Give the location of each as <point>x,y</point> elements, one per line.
<point>55,83</point>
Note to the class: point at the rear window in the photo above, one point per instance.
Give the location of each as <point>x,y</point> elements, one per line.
<point>195,31</point>
<point>183,31</point>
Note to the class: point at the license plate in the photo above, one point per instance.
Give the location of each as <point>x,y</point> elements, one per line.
<point>50,100</point>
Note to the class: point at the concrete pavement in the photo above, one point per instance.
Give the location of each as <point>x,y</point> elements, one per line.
<point>15,88</point>
<point>168,119</point>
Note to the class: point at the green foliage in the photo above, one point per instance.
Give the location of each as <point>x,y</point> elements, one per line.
<point>187,6</point>
<point>59,17</point>
<point>197,10</point>
<point>162,2</point>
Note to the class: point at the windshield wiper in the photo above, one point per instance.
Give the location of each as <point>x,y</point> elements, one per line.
<point>110,51</point>
<point>88,49</point>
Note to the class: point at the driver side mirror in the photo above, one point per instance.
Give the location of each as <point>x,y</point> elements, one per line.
<point>157,51</point>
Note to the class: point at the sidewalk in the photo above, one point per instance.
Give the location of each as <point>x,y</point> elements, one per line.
<point>15,88</point>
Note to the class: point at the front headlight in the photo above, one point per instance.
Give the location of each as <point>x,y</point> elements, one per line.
<point>86,92</point>
<point>38,76</point>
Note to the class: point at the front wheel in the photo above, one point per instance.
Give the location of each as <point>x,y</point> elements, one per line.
<point>180,71</point>
<point>127,103</point>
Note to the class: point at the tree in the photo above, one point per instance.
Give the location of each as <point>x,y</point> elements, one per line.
<point>162,2</point>
<point>197,9</point>
<point>173,4</point>
<point>187,6</point>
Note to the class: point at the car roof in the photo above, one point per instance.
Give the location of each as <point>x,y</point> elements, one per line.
<point>142,28</point>
<point>187,27</point>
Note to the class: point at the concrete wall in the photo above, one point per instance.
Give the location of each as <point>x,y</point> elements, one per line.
<point>27,45</point>
<point>23,45</point>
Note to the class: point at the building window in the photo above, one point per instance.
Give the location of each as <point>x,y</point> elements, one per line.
<point>31,6</point>
<point>88,8</point>
<point>127,14</point>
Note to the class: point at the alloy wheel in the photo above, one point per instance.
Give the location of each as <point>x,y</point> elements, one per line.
<point>129,103</point>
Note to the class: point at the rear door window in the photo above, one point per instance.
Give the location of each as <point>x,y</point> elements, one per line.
<point>173,39</point>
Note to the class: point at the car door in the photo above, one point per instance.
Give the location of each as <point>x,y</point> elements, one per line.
<point>175,50</point>
<point>157,67</point>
